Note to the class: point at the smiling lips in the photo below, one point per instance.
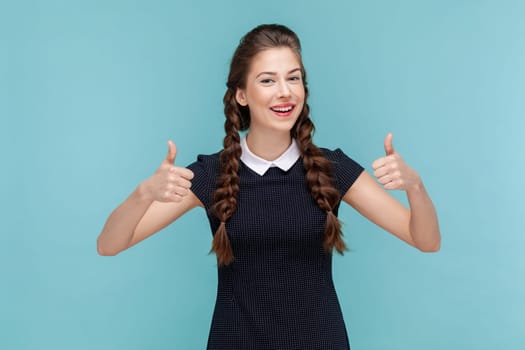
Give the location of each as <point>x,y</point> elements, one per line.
<point>283,110</point>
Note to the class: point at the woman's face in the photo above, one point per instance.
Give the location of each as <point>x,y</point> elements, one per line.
<point>274,91</point>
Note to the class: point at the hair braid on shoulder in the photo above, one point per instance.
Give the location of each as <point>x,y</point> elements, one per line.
<point>319,177</point>
<point>225,196</point>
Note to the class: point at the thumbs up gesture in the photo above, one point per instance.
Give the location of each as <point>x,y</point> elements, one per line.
<point>392,172</point>
<point>169,183</point>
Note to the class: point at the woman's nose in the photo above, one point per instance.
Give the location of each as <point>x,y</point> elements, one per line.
<point>284,89</point>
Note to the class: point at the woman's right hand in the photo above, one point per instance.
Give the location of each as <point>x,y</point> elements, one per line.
<point>169,183</point>
<point>150,207</point>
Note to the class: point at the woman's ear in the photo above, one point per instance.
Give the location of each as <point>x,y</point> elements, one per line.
<point>240,96</point>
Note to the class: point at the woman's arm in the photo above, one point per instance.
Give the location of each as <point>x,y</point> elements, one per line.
<point>157,201</point>
<point>418,226</point>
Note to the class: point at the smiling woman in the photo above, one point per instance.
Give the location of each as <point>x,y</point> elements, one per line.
<point>272,199</point>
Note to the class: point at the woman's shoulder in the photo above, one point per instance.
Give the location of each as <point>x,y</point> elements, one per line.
<point>208,162</point>
<point>341,160</point>
<point>346,169</point>
<point>210,158</point>
<point>333,154</point>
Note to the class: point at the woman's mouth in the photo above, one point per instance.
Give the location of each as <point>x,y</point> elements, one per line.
<point>284,110</point>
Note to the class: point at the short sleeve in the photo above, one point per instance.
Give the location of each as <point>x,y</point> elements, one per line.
<point>346,170</point>
<point>205,171</point>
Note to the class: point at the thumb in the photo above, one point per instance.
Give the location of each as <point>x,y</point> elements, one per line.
<point>389,147</point>
<point>172,152</point>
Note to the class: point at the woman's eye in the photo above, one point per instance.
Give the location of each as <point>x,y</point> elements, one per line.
<point>267,81</point>
<point>297,78</point>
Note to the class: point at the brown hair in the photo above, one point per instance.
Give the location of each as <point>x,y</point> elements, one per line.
<point>318,168</point>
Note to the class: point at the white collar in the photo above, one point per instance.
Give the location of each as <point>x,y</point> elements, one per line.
<point>260,165</point>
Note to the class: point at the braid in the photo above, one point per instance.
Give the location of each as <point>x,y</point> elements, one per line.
<point>320,181</point>
<point>225,196</point>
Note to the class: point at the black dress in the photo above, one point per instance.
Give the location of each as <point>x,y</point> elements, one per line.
<point>278,293</point>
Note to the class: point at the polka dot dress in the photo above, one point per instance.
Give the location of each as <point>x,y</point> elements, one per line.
<point>278,293</point>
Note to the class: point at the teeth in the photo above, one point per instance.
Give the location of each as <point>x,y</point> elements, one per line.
<point>282,109</point>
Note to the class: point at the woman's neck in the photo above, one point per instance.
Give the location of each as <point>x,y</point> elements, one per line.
<point>268,146</point>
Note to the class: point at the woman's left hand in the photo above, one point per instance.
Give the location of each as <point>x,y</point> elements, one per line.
<point>392,172</point>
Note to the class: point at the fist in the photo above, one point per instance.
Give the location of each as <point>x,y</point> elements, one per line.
<point>169,183</point>
<point>392,172</point>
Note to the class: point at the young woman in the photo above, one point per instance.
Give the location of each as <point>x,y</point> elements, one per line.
<point>272,199</point>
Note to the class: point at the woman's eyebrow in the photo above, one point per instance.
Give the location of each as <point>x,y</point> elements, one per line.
<point>274,73</point>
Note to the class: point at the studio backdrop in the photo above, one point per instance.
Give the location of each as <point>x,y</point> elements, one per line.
<point>91,91</point>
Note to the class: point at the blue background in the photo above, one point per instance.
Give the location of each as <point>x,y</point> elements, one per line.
<point>90,91</point>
